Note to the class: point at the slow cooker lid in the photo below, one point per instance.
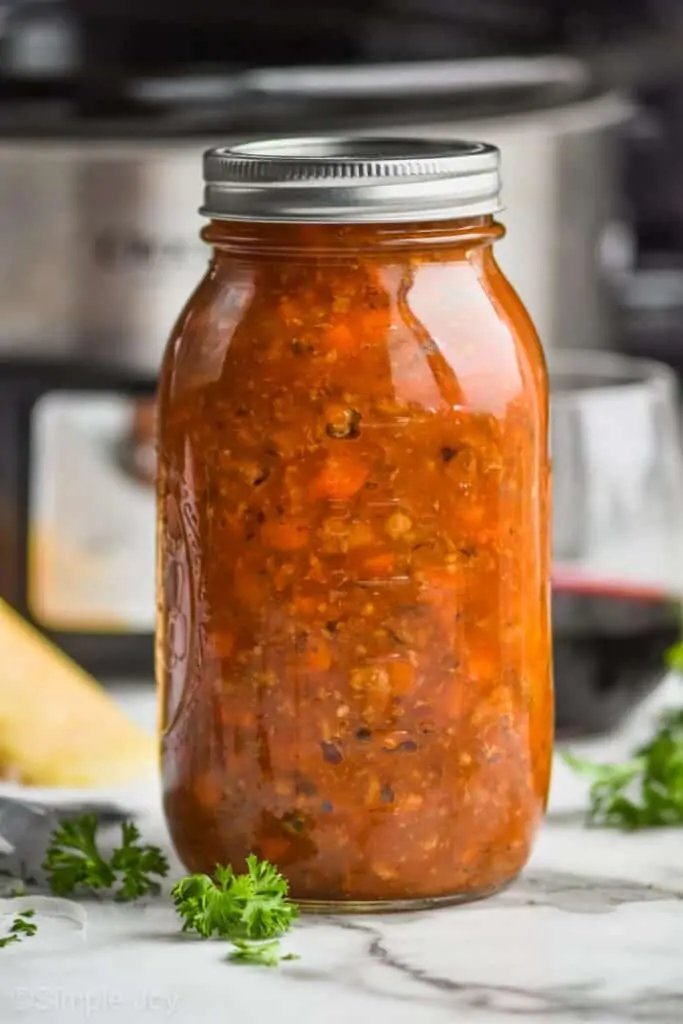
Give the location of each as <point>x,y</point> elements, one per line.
<point>259,102</point>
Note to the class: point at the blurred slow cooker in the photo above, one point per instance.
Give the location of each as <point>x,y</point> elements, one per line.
<point>98,218</point>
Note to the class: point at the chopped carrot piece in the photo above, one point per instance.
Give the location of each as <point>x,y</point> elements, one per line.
<point>287,536</point>
<point>318,657</point>
<point>274,848</point>
<point>244,719</point>
<point>208,789</point>
<point>341,337</point>
<point>305,605</point>
<point>340,478</point>
<point>380,565</point>
<point>401,676</point>
<point>360,535</point>
<point>483,666</point>
<point>375,322</point>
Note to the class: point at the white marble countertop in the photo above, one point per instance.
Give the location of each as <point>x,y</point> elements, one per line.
<point>593,932</point>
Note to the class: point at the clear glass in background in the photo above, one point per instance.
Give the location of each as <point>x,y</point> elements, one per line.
<point>617,533</point>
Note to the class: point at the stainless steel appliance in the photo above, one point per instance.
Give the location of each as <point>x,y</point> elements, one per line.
<point>100,237</point>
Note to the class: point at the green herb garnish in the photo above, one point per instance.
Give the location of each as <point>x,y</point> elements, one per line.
<point>253,906</point>
<point>645,791</point>
<point>137,865</point>
<point>262,954</point>
<point>74,861</point>
<point>674,657</point>
<point>20,928</point>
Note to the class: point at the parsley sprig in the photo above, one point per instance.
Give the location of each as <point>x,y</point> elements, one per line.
<point>21,927</point>
<point>73,861</point>
<point>138,865</point>
<point>250,910</point>
<point>244,909</point>
<point>262,954</point>
<point>647,790</point>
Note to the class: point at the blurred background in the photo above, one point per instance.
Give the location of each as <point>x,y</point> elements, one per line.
<point>105,108</point>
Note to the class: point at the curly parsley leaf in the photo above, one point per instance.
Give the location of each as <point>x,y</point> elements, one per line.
<point>251,906</point>
<point>138,865</point>
<point>20,928</point>
<point>73,861</point>
<point>644,792</point>
<point>261,954</point>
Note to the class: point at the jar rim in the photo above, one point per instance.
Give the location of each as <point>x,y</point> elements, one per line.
<point>351,179</point>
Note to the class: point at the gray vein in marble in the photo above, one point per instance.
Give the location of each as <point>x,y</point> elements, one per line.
<point>578,894</point>
<point>563,892</point>
<point>556,1002</point>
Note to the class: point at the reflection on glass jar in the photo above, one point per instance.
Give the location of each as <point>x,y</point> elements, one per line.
<point>353,484</point>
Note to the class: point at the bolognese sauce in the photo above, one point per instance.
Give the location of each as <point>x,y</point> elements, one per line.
<point>353,640</point>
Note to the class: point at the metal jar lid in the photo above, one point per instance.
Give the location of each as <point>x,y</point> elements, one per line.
<point>351,180</point>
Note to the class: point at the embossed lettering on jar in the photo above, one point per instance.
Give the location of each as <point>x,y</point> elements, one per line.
<point>353,642</point>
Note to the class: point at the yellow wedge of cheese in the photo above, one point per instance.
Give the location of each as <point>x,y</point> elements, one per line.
<point>58,727</point>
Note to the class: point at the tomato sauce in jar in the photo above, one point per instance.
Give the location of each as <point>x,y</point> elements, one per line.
<point>353,644</point>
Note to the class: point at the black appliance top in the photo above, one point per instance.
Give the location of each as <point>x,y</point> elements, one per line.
<point>264,101</point>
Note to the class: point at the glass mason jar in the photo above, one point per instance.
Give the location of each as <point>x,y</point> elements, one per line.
<point>353,642</point>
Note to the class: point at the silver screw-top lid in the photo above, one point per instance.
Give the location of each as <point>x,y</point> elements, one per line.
<point>351,180</point>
